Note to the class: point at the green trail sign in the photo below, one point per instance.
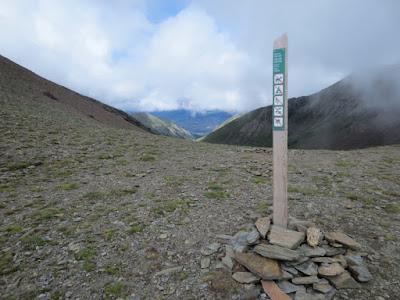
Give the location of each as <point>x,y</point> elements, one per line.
<point>278,105</point>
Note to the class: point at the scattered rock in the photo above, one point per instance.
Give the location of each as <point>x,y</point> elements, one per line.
<point>285,237</point>
<point>245,277</point>
<point>205,263</point>
<point>210,249</point>
<point>250,295</point>
<point>169,271</point>
<point>360,273</point>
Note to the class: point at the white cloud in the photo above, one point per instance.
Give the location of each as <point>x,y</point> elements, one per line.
<point>205,55</point>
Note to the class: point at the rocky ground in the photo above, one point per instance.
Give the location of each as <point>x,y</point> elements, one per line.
<point>91,212</point>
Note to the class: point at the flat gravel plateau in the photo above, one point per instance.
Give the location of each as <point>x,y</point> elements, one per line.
<point>93,212</point>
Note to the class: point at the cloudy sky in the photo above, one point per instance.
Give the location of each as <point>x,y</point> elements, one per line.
<point>145,55</point>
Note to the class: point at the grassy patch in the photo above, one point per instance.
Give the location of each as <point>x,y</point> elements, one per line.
<point>135,229</point>
<point>95,195</point>
<point>7,188</point>
<point>262,207</point>
<point>87,257</point>
<point>12,229</point>
<point>258,180</point>
<point>146,158</point>
<point>116,290</point>
<point>114,268</point>
<point>342,163</point>
<point>304,191</point>
<point>351,196</point>
<point>109,233</point>
<point>19,166</point>
<point>68,186</point>
<point>393,208</point>
<point>6,263</point>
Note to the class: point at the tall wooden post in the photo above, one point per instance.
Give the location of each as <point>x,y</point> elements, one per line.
<point>280,130</point>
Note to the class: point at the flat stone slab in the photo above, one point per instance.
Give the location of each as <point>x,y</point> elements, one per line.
<point>276,252</point>
<point>331,269</point>
<point>308,251</point>
<point>245,277</point>
<point>273,291</point>
<point>285,237</point>
<point>322,286</point>
<point>262,225</point>
<point>302,295</point>
<point>305,280</point>
<point>360,273</point>
<point>344,281</point>
<point>332,251</point>
<point>341,238</point>
<point>308,268</point>
<point>288,287</point>
<point>264,267</point>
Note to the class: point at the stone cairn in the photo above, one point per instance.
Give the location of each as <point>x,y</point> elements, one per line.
<point>299,262</point>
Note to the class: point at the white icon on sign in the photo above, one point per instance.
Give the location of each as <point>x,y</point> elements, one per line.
<point>278,121</point>
<point>278,89</point>
<point>278,100</point>
<point>278,78</point>
<point>278,111</point>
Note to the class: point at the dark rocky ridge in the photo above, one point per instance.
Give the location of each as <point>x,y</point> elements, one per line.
<point>357,112</point>
<point>16,81</point>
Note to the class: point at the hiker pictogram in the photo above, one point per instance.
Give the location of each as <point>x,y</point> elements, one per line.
<point>278,89</point>
<point>278,78</point>
<point>278,100</point>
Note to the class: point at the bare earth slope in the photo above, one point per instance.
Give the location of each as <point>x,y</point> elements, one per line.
<point>359,111</point>
<point>94,212</point>
<point>16,81</point>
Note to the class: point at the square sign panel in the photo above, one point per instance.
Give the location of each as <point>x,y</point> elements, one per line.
<point>278,100</point>
<point>278,111</point>
<point>278,89</point>
<point>278,78</point>
<point>278,122</point>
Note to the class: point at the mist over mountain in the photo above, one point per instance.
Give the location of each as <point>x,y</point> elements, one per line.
<point>359,111</point>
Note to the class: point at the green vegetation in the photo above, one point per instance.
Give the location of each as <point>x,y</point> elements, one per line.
<point>116,290</point>
<point>87,257</point>
<point>109,233</point>
<point>68,186</point>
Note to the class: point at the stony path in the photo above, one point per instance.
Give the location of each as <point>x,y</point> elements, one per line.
<point>91,212</point>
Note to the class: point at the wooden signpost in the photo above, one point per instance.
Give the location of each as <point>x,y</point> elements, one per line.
<point>280,130</point>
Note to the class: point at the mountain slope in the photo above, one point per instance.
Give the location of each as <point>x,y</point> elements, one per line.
<point>163,126</point>
<point>16,81</point>
<point>359,111</point>
<point>199,124</point>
